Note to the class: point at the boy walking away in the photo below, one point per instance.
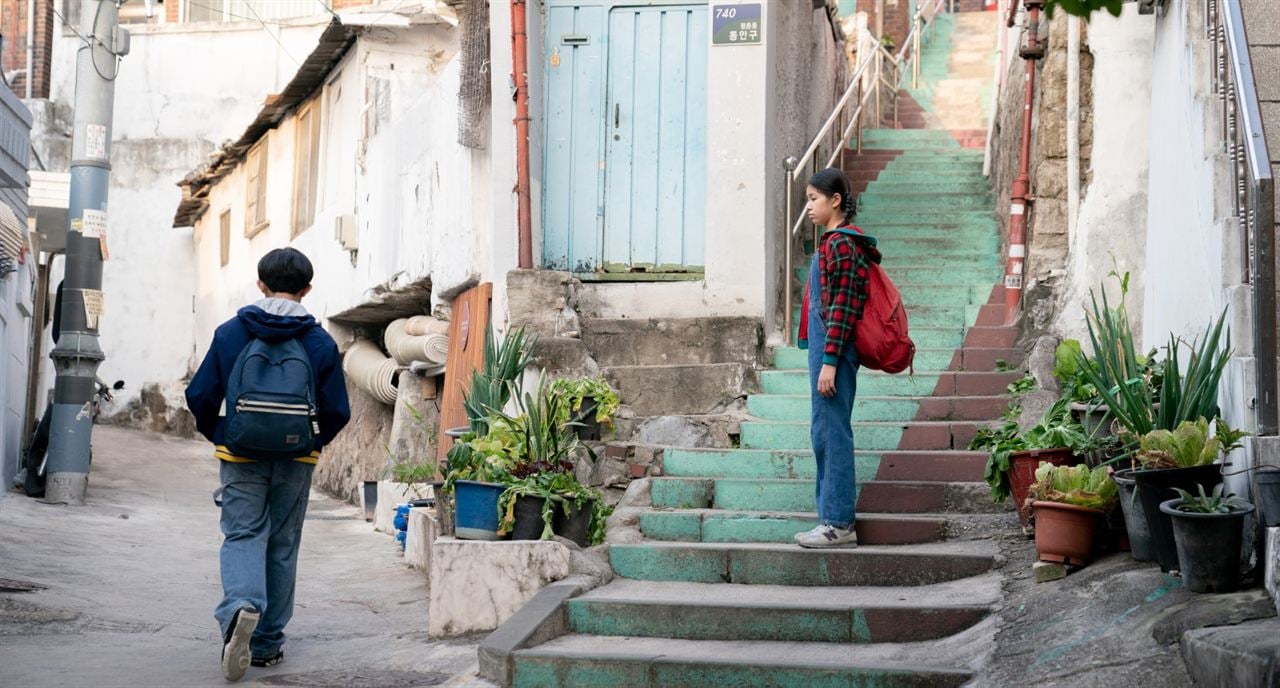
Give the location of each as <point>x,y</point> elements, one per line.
<point>270,395</point>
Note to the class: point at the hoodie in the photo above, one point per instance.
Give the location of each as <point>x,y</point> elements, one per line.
<point>271,320</point>
<point>845,256</point>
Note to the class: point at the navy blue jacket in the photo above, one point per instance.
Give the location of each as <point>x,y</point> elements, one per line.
<point>207,388</point>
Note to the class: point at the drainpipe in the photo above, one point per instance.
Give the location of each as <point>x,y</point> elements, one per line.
<point>1021,193</point>
<point>31,40</point>
<point>520,69</point>
<point>1073,127</point>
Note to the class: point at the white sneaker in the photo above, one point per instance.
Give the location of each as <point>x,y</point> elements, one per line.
<point>828,536</point>
<point>807,532</point>
<point>236,655</point>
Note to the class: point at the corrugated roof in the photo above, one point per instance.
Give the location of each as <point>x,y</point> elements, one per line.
<point>333,44</point>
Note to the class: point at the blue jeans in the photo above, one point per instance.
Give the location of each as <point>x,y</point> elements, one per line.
<point>263,506</point>
<point>831,426</point>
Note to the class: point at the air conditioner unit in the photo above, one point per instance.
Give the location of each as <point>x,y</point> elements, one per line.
<point>347,232</point>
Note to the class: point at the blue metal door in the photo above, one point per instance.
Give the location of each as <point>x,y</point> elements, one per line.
<point>656,140</point>
<point>624,170</point>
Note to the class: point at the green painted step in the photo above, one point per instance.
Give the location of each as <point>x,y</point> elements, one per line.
<point>925,337</point>
<point>922,285</point>
<point>940,245</point>
<point>703,611</point>
<point>755,464</point>
<point>869,383</point>
<point>739,494</point>
<point>976,230</point>
<point>936,186</point>
<point>740,526</point>
<point>797,407</point>
<point>791,358</point>
<point>871,201</point>
<point>909,215</point>
<point>871,435</point>
<point>573,661</point>
<point>772,564</point>
<point>950,315</point>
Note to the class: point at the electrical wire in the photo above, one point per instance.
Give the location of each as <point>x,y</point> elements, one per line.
<point>220,10</point>
<point>91,41</point>
<point>272,35</point>
<point>327,8</point>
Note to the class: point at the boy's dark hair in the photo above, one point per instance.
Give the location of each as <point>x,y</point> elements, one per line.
<point>285,271</point>
<point>832,181</point>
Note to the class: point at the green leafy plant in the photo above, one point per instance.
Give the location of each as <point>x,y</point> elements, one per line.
<point>1068,369</point>
<point>491,384</point>
<point>575,390</point>
<point>419,469</point>
<point>1022,385</point>
<point>1213,503</point>
<point>1078,485</point>
<point>1141,394</point>
<point>1189,445</point>
<point>1084,8</point>
<point>1055,430</point>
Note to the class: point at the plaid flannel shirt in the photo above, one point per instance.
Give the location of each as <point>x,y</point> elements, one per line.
<point>844,282</point>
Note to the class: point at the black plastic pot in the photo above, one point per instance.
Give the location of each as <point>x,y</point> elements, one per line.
<point>1208,547</point>
<point>576,525</point>
<point>529,524</point>
<point>1267,488</point>
<point>588,428</point>
<point>1135,518</point>
<point>1155,487</point>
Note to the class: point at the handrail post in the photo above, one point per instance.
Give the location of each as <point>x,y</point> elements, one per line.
<point>787,290</point>
<point>915,55</point>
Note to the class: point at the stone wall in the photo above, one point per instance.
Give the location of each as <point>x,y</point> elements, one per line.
<point>359,452</point>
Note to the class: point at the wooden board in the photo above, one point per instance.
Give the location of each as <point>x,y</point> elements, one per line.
<point>466,353</point>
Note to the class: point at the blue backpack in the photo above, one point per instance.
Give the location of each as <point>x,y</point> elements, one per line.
<point>271,402</point>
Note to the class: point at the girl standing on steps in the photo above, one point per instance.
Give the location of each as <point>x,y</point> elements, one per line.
<point>834,296</point>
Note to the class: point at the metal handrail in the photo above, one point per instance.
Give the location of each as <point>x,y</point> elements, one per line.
<point>1254,202</point>
<point>851,126</point>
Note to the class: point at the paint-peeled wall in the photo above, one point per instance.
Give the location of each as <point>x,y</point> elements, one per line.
<point>181,91</point>
<point>1110,229</point>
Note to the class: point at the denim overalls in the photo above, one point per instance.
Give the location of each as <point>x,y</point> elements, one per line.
<point>831,426</point>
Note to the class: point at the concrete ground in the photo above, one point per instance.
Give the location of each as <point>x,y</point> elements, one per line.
<point>131,581</point>
<point>1115,623</point>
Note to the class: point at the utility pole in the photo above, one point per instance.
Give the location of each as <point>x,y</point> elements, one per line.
<point>78,354</point>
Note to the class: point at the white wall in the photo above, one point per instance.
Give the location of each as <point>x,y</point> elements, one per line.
<point>16,302</point>
<point>417,195</point>
<point>1111,229</point>
<point>182,91</point>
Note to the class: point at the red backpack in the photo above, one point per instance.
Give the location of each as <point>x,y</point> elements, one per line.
<point>881,337</point>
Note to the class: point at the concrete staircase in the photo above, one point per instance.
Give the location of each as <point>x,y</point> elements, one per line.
<point>711,591</point>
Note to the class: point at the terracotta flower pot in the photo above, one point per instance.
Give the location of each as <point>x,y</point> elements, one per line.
<point>1022,474</point>
<point>1064,532</point>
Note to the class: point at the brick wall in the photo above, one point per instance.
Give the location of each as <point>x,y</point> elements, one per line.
<point>897,18</point>
<point>13,25</point>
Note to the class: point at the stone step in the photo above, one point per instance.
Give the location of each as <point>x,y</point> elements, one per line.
<point>972,359</point>
<point>906,173</point>
<point>663,390</point>
<point>717,525</point>
<point>589,660</point>
<point>797,496</point>
<point>873,383</point>
<point>907,214</point>
<point>892,184</point>
<point>927,497</point>
<point>952,466</point>
<point>941,247</point>
<point>705,611</point>
<point>928,285</point>
<point>871,435</point>
<point>673,341</point>
<point>772,564</point>
<point>939,315</point>
<point>923,337</point>
<point>798,407</point>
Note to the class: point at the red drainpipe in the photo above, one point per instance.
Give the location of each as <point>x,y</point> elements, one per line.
<point>1021,194</point>
<point>520,67</point>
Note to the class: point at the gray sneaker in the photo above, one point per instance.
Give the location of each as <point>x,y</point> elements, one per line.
<point>828,536</point>
<point>236,654</point>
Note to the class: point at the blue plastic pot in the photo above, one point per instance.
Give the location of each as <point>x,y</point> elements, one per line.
<point>476,509</point>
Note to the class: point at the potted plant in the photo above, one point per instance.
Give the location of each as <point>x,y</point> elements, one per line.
<point>1135,519</point>
<point>480,461</point>
<point>543,478</point>
<point>1208,530</point>
<point>1068,502</point>
<point>1266,484</point>
<point>591,405</point>
<point>1014,455</point>
<point>1175,460</point>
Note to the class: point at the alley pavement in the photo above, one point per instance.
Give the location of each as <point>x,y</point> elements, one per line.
<point>129,583</point>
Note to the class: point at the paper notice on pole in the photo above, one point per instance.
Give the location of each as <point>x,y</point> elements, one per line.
<point>95,141</point>
<point>95,224</point>
<point>92,307</point>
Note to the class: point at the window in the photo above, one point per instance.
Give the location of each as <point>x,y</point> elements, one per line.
<point>255,211</point>
<point>224,238</point>
<point>250,10</point>
<point>306,166</point>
